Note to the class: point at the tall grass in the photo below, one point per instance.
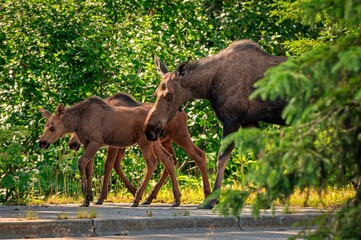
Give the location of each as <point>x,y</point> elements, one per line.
<point>192,193</point>
<point>65,184</point>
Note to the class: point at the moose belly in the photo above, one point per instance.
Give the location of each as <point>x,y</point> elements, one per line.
<point>119,139</point>
<point>266,111</point>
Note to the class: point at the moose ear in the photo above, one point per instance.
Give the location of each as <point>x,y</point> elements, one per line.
<point>44,112</point>
<point>60,110</point>
<point>182,69</point>
<point>161,68</point>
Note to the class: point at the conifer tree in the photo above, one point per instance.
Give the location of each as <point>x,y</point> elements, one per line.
<point>322,143</point>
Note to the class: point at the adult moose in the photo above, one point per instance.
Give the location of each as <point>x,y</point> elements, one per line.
<point>97,124</point>
<point>176,130</point>
<point>226,80</point>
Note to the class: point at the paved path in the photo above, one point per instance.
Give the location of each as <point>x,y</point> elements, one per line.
<point>121,220</point>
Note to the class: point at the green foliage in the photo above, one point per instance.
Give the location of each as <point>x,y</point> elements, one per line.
<point>13,170</point>
<point>55,52</point>
<point>322,144</point>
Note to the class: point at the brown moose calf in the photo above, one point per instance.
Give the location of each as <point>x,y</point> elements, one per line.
<point>176,130</point>
<point>98,124</point>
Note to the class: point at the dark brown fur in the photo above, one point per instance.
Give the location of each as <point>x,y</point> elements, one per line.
<point>98,124</point>
<point>226,80</point>
<point>176,131</point>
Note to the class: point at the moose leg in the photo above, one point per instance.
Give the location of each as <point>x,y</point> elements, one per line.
<point>118,170</point>
<point>89,172</point>
<point>166,159</point>
<point>86,171</point>
<point>198,156</point>
<point>222,161</point>
<point>228,127</point>
<point>167,144</point>
<point>156,188</point>
<point>151,163</point>
<point>108,165</point>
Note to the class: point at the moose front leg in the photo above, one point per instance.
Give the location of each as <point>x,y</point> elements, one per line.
<point>223,157</point>
<point>167,159</point>
<point>85,165</point>
<point>151,164</point>
<point>89,188</point>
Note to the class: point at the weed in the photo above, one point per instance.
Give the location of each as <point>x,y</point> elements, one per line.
<point>93,213</point>
<point>83,213</point>
<point>63,216</point>
<point>149,213</point>
<point>32,215</point>
<point>181,213</point>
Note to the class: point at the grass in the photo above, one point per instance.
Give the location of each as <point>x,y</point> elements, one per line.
<point>330,198</point>
<point>84,213</point>
<point>149,213</point>
<point>63,216</point>
<point>181,213</point>
<point>193,194</point>
<point>32,215</point>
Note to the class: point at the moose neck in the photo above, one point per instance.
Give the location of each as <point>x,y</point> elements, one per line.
<point>200,77</point>
<point>71,120</point>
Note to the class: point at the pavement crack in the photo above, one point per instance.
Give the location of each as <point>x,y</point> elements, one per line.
<point>240,223</point>
<point>93,226</point>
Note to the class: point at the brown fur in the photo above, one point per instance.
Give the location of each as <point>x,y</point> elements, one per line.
<point>98,124</point>
<point>226,80</point>
<point>176,131</point>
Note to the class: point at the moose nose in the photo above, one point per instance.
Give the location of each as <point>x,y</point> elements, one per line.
<point>44,144</point>
<point>150,134</point>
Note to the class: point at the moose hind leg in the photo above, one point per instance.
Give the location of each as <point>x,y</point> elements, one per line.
<point>199,158</point>
<point>118,169</point>
<point>108,165</point>
<point>156,188</point>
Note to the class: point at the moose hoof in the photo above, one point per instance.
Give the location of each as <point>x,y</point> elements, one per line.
<point>99,202</point>
<point>175,204</point>
<point>205,206</point>
<point>209,205</point>
<point>134,204</point>
<point>146,202</point>
<point>84,205</point>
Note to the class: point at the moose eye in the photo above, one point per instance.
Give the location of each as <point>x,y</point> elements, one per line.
<point>52,129</point>
<point>169,97</point>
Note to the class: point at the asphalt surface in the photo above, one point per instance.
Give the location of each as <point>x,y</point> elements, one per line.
<point>122,221</point>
